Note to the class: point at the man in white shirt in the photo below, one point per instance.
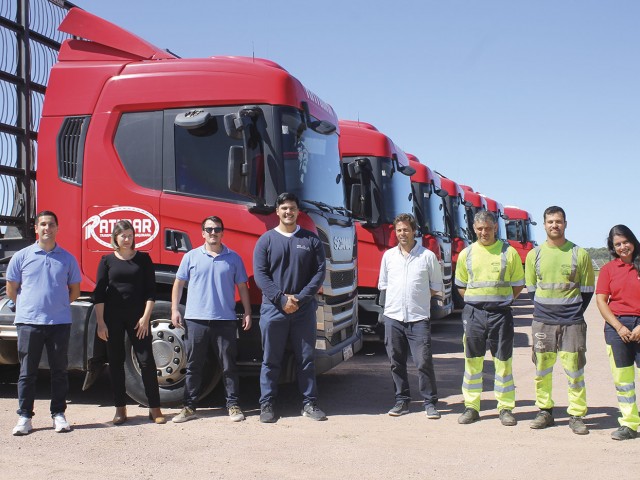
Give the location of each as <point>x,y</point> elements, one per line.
<point>410,274</point>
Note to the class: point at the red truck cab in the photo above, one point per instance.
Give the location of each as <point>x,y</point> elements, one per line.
<point>130,131</point>
<point>520,230</point>
<point>378,187</point>
<point>429,208</point>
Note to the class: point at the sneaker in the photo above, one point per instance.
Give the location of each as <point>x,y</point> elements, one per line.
<point>235,413</point>
<point>185,415</point>
<point>23,427</point>
<point>622,433</point>
<point>311,410</point>
<point>267,414</point>
<point>432,412</point>
<point>577,426</point>
<point>543,419</point>
<point>60,423</point>
<point>400,408</point>
<point>507,418</point>
<point>470,415</point>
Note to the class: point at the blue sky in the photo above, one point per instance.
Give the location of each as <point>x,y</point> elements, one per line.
<point>533,103</point>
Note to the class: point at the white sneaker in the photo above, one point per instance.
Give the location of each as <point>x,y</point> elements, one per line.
<point>23,427</point>
<point>60,423</point>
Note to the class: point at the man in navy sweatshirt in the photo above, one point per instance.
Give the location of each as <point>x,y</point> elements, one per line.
<point>289,268</point>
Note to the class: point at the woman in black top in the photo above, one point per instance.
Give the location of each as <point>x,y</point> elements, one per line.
<point>124,298</point>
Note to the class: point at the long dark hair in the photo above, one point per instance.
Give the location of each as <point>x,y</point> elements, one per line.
<point>624,231</point>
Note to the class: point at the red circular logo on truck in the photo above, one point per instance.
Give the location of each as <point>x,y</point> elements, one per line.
<point>99,226</point>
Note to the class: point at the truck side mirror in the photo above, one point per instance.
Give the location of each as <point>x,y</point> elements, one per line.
<point>322,127</point>
<point>233,126</point>
<point>192,119</point>
<point>237,171</point>
<point>357,201</point>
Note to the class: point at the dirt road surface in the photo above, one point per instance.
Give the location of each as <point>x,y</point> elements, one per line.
<point>358,441</point>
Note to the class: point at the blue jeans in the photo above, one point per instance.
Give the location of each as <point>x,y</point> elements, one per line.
<point>31,340</point>
<point>277,329</point>
<point>219,336</point>
<point>399,338</point>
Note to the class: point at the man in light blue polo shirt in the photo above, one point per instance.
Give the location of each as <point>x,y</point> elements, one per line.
<point>43,279</point>
<point>213,272</point>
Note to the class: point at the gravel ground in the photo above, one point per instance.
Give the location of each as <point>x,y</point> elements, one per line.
<point>358,441</point>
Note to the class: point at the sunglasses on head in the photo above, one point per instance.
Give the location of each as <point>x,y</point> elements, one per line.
<point>213,229</point>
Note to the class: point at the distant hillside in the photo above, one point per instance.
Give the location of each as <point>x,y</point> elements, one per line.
<point>600,256</point>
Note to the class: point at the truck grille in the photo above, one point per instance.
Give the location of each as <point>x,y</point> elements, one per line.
<point>325,244</point>
<point>341,336</point>
<point>341,279</point>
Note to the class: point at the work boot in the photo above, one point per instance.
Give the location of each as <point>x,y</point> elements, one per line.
<point>543,419</point>
<point>470,415</point>
<point>507,418</point>
<point>577,426</point>
<point>624,433</point>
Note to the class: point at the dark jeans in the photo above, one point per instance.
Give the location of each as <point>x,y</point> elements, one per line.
<point>31,340</point>
<point>201,336</point>
<point>624,354</point>
<point>399,338</point>
<point>277,329</point>
<point>118,325</point>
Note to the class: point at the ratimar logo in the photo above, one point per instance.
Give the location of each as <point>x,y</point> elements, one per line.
<point>99,226</point>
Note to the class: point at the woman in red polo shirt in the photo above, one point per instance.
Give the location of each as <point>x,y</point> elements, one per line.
<point>618,299</point>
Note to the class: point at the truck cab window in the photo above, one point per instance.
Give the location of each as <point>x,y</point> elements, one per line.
<point>139,145</point>
<point>201,158</point>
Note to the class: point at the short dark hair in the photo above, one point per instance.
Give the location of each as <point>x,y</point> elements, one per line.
<point>119,227</point>
<point>287,197</point>
<point>213,219</point>
<point>46,213</point>
<point>554,209</point>
<point>485,216</point>
<point>406,218</point>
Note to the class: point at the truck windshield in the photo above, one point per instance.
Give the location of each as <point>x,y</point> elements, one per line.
<point>433,210</point>
<point>502,227</point>
<point>515,230</point>
<point>460,224</point>
<point>311,162</point>
<point>396,191</point>
<point>531,237</point>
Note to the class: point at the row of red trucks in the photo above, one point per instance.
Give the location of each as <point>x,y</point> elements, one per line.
<point>131,131</point>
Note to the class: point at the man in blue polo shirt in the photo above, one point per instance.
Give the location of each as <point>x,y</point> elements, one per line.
<point>213,272</point>
<point>43,279</point>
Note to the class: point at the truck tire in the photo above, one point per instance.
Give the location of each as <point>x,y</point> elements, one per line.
<point>171,361</point>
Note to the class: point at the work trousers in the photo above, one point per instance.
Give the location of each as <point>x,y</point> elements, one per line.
<point>496,329</point>
<point>621,359</point>
<point>399,338</point>
<point>120,323</point>
<point>202,336</point>
<point>31,340</point>
<point>569,342</point>
<point>299,331</point>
